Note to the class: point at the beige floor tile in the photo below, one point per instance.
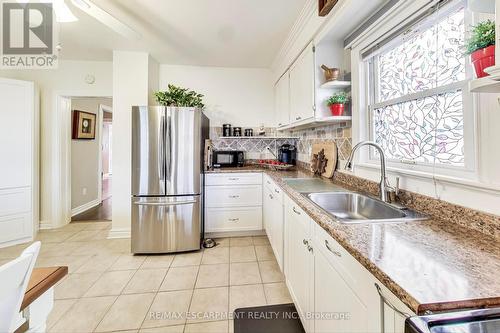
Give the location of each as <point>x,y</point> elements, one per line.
<point>222,242</point>
<point>264,252</point>
<point>75,227</point>
<point>168,309</point>
<point>127,261</point>
<point>110,283</point>
<point>54,237</point>
<point>246,296</point>
<point>118,245</point>
<point>84,235</point>
<point>84,315</point>
<point>58,249</point>
<point>270,271</point>
<point>73,262</point>
<point>207,327</point>
<point>260,240</point>
<point>213,276</point>
<point>209,304</point>
<point>158,261</point>
<point>98,263</point>
<point>240,241</point>
<point>75,285</point>
<point>61,306</point>
<point>216,255</point>
<point>179,278</point>
<point>127,313</point>
<point>94,247</point>
<point>164,329</point>
<point>244,273</point>
<point>277,293</point>
<point>187,259</point>
<point>97,226</point>
<point>242,254</point>
<point>145,281</point>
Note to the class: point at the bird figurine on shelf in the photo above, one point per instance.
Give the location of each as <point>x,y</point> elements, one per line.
<point>319,162</point>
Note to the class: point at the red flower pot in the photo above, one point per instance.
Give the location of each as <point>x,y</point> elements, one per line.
<point>337,109</point>
<point>482,59</point>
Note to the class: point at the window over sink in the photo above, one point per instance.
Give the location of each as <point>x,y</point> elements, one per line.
<point>420,110</point>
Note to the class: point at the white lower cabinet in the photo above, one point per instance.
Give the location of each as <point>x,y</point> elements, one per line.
<point>273,218</point>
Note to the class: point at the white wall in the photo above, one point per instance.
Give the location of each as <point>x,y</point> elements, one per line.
<point>68,79</point>
<point>85,156</point>
<point>239,96</point>
<point>131,86</point>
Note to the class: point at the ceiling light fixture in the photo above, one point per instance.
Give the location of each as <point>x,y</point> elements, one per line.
<point>106,18</point>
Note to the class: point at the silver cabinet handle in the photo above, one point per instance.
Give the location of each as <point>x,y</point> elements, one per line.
<point>309,248</point>
<point>234,196</point>
<point>271,196</point>
<point>233,220</point>
<point>164,203</point>
<point>268,182</point>
<point>275,190</point>
<point>337,253</point>
<point>305,242</point>
<point>298,118</point>
<point>233,179</point>
<point>295,211</point>
<point>388,303</point>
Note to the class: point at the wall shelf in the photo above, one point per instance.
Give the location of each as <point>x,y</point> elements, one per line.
<point>484,85</point>
<point>259,137</point>
<point>315,122</point>
<point>336,84</point>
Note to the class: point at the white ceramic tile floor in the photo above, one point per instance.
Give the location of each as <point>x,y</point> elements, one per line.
<point>110,290</point>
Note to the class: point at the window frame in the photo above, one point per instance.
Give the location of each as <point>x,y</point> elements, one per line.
<point>369,66</point>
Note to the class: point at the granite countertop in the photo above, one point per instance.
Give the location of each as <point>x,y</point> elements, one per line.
<point>433,265</point>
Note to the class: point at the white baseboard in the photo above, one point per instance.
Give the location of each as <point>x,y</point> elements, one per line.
<point>45,225</point>
<point>244,233</point>
<point>16,242</point>
<point>87,206</point>
<point>116,233</point>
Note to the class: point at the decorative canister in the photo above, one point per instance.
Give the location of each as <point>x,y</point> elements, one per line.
<point>248,132</point>
<point>226,129</point>
<point>237,131</point>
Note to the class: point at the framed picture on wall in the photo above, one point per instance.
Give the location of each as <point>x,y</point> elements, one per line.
<point>83,125</point>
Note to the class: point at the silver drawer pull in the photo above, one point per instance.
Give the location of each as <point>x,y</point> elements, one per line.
<point>269,182</point>
<point>337,253</point>
<point>298,118</point>
<point>139,203</point>
<point>388,303</point>
<point>295,211</point>
<point>271,196</point>
<point>275,190</point>
<point>233,179</point>
<point>234,196</point>
<point>233,220</point>
<point>305,241</point>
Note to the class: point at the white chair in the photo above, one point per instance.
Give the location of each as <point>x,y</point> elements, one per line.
<point>14,277</point>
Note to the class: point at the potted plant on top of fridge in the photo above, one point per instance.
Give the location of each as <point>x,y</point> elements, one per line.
<point>179,97</point>
<point>481,47</point>
<point>337,103</point>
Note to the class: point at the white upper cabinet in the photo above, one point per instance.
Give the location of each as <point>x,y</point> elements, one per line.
<point>282,100</point>
<point>302,90</point>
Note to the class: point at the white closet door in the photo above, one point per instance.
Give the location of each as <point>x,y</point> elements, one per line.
<point>17,151</point>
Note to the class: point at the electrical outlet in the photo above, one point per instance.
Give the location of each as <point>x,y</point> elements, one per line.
<point>84,191</point>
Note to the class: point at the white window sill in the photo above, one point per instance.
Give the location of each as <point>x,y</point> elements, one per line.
<point>462,182</point>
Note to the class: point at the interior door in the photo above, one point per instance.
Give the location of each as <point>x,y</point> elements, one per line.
<point>183,151</point>
<point>148,154</point>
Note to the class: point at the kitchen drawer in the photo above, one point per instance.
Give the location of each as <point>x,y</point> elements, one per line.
<point>233,219</point>
<point>15,201</point>
<point>273,188</point>
<point>345,264</point>
<point>233,196</point>
<point>292,209</point>
<point>233,179</point>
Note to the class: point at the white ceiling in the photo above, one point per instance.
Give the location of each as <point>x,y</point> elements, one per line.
<point>229,33</point>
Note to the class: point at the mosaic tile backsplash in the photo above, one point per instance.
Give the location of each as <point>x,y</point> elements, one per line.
<point>256,148</point>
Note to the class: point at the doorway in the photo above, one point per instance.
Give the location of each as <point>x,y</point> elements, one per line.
<point>91,167</point>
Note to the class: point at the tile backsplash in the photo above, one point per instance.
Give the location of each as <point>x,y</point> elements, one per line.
<point>257,147</point>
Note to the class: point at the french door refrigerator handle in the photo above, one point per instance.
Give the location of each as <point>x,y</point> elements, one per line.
<point>161,147</point>
<point>139,203</point>
<point>168,145</point>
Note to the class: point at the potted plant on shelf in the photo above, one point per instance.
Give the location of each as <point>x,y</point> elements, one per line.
<point>481,47</point>
<point>179,97</point>
<point>337,103</point>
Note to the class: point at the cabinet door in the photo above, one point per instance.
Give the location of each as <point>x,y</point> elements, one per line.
<point>302,92</point>
<point>282,100</point>
<point>267,213</point>
<point>277,230</point>
<point>333,298</point>
<point>299,261</point>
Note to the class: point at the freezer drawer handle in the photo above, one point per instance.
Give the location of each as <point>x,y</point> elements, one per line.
<point>388,302</point>
<point>234,220</point>
<point>234,196</point>
<point>233,178</point>
<point>165,203</point>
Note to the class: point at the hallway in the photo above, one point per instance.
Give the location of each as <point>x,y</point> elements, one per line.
<point>102,212</point>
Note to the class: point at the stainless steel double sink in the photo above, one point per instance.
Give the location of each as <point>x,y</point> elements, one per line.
<point>351,207</point>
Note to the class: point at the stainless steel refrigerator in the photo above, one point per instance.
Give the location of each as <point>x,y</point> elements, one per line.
<point>167,178</point>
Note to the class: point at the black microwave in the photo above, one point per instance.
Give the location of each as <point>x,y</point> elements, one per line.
<point>227,159</point>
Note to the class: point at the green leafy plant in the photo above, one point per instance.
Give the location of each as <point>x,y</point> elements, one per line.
<point>338,98</point>
<point>180,97</point>
<point>482,35</point>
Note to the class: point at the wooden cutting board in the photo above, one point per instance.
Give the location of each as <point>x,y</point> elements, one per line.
<point>330,149</point>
